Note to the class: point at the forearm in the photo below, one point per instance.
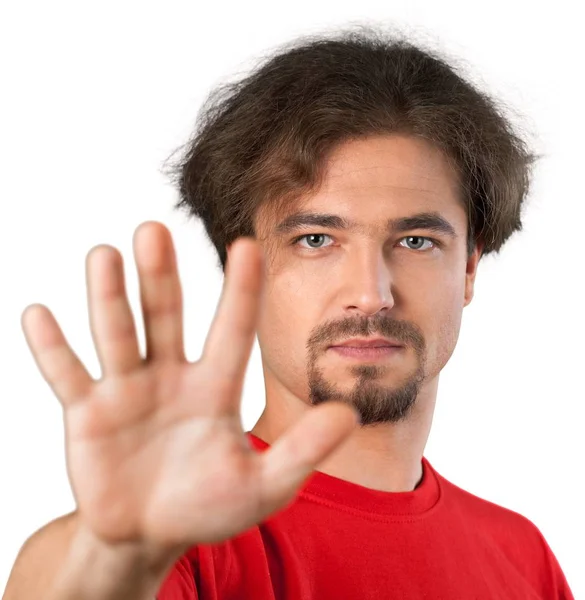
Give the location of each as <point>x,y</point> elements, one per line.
<point>60,561</point>
<point>96,571</point>
<point>40,557</point>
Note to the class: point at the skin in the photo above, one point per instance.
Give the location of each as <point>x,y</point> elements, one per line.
<point>334,284</point>
<point>150,431</point>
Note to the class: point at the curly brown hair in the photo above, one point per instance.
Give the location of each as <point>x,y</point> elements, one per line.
<point>263,140</point>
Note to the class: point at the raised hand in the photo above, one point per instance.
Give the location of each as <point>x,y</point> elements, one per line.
<point>155,448</point>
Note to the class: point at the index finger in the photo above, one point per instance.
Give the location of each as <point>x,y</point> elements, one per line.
<point>229,342</point>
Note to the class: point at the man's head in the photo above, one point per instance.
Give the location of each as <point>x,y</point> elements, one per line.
<point>372,132</point>
<point>379,250</point>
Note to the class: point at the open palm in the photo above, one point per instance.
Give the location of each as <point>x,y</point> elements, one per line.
<point>155,448</point>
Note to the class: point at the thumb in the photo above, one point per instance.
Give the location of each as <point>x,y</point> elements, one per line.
<point>294,455</point>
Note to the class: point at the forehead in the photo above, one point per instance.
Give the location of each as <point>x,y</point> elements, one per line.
<point>373,179</point>
<point>398,166</point>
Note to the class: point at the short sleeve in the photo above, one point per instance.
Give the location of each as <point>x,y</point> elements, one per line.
<point>557,587</point>
<point>561,585</point>
<point>179,583</point>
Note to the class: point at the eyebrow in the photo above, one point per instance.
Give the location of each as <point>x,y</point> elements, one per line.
<point>431,221</point>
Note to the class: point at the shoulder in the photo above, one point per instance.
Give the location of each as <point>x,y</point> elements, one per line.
<point>512,531</point>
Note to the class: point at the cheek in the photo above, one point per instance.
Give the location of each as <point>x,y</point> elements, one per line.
<point>284,326</point>
<point>284,320</point>
<point>447,318</point>
<point>437,309</point>
<point>289,298</point>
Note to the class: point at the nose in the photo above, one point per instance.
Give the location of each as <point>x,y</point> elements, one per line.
<point>368,283</point>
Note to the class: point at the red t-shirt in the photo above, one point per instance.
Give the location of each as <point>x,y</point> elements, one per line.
<point>338,540</point>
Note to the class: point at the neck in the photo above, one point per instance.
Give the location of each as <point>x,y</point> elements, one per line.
<point>385,456</point>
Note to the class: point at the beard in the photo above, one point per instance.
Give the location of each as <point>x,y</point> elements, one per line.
<point>374,401</point>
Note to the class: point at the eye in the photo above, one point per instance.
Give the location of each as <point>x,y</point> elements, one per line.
<point>312,238</point>
<point>418,238</point>
<point>314,241</point>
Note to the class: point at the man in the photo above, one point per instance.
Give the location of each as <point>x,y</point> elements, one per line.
<point>372,179</point>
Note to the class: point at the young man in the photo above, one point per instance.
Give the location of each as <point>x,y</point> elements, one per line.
<point>373,179</point>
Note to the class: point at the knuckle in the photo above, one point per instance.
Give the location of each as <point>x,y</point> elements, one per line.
<point>122,332</point>
<point>62,364</point>
<point>163,308</point>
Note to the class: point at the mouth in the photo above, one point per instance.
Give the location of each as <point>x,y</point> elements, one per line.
<point>367,352</point>
<point>378,342</point>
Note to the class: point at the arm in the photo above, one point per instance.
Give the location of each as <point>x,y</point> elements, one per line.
<point>63,561</point>
<point>39,558</point>
<point>156,454</point>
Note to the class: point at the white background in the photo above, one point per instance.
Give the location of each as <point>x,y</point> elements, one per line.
<point>96,95</point>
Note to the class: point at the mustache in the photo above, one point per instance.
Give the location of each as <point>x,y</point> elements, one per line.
<point>379,325</point>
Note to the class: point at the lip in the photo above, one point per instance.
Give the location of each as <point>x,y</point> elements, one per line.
<point>367,353</point>
<point>368,343</point>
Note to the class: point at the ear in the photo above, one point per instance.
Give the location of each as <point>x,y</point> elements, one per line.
<point>471,272</point>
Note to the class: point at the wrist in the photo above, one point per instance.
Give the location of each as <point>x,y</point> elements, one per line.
<point>97,570</point>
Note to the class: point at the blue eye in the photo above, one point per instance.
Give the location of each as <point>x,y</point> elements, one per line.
<point>313,241</point>
<point>311,236</point>
<point>420,237</point>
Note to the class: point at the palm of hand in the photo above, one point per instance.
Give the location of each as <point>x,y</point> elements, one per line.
<point>155,449</point>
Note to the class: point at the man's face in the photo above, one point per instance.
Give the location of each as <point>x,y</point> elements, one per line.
<point>325,284</point>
